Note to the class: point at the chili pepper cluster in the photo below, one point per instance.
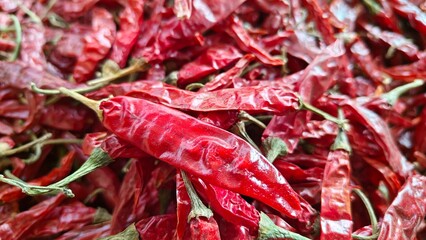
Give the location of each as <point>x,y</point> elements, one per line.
<point>212,119</point>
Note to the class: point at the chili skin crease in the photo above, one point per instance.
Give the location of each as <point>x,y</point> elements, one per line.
<point>210,153</point>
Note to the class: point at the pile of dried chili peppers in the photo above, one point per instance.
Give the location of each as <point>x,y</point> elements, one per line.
<point>212,119</point>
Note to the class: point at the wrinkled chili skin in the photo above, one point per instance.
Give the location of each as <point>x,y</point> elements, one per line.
<point>218,158</point>
<point>336,217</point>
<point>201,228</point>
<point>411,201</point>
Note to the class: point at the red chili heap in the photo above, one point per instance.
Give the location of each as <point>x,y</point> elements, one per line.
<point>213,119</point>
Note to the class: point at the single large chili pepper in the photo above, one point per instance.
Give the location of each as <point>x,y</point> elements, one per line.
<point>213,59</point>
<point>336,217</point>
<point>411,201</point>
<point>97,44</point>
<point>224,157</point>
<point>16,227</point>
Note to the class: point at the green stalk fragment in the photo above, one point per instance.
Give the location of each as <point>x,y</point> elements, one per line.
<point>81,90</point>
<point>395,93</point>
<point>101,215</point>
<point>18,37</point>
<point>92,104</point>
<point>268,230</point>
<point>306,106</point>
<point>373,219</point>
<point>198,209</point>
<point>137,66</point>
<point>240,129</point>
<point>274,147</point>
<point>372,6</point>
<point>32,189</point>
<point>130,233</point>
<point>25,146</point>
<point>97,159</point>
<point>243,115</point>
<point>194,86</point>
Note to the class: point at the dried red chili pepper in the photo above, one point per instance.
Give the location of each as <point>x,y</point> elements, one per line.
<point>97,44</point>
<point>89,232</point>
<point>16,227</point>
<point>283,199</point>
<point>130,21</point>
<point>33,40</point>
<point>408,10</point>
<point>157,227</point>
<point>213,59</point>
<point>409,202</point>
<point>336,217</point>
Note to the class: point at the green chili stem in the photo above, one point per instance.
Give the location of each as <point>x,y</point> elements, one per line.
<point>306,106</point>
<point>130,233</point>
<point>55,91</point>
<point>341,142</point>
<point>198,209</point>
<point>34,156</point>
<point>32,189</point>
<point>268,230</point>
<point>30,13</point>
<point>7,29</point>
<point>249,68</point>
<point>240,129</point>
<point>274,147</point>
<point>18,37</point>
<point>97,159</point>
<point>138,65</point>
<point>370,210</point>
<point>92,104</point>
<point>243,115</point>
<point>25,146</point>
<point>63,141</point>
<point>373,6</point>
<point>395,93</point>
<point>194,86</point>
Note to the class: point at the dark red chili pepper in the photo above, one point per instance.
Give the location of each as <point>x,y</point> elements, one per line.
<point>63,218</point>
<point>381,135</point>
<point>16,227</point>
<point>408,10</point>
<point>70,10</point>
<point>97,44</point>
<point>130,21</point>
<point>235,29</point>
<point>336,216</point>
<point>33,40</point>
<point>213,59</point>
<point>106,180</point>
<point>87,232</point>
<point>157,227</point>
<point>225,79</point>
<point>130,193</point>
<point>411,201</point>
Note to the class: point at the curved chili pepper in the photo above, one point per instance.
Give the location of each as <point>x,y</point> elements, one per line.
<point>213,59</point>
<point>411,199</point>
<point>97,44</point>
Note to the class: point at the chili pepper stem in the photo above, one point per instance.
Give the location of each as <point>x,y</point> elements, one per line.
<point>268,230</point>
<point>243,115</point>
<point>97,159</point>
<point>370,210</point>
<point>395,93</point>
<point>198,209</point>
<point>274,147</point>
<point>138,65</point>
<point>240,129</point>
<point>25,146</point>
<point>18,37</point>
<point>32,189</point>
<point>306,106</point>
<point>92,104</point>
<point>341,141</point>
<point>34,88</point>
